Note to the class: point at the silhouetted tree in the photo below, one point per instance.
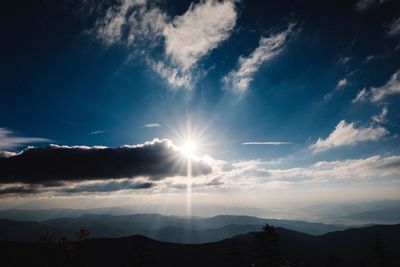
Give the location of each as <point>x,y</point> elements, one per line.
<point>82,233</point>
<point>267,247</point>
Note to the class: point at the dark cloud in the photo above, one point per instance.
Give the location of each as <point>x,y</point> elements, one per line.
<point>363,5</point>
<point>20,190</point>
<point>49,165</point>
<point>108,187</point>
<point>63,188</point>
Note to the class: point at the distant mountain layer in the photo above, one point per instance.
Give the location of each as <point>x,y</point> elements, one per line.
<point>163,228</point>
<point>391,215</point>
<point>352,247</point>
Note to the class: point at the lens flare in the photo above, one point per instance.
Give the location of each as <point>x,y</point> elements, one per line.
<point>188,149</point>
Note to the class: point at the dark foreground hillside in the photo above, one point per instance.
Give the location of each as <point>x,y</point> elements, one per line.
<point>370,246</point>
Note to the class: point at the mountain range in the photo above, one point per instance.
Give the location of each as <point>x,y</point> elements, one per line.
<point>175,229</point>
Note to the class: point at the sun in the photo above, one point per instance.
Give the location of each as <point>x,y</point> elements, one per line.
<point>188,149</point>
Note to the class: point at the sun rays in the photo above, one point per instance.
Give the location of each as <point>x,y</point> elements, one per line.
<point>189,149</point>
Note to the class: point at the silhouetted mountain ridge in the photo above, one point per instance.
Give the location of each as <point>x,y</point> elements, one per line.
<point>352,247</point>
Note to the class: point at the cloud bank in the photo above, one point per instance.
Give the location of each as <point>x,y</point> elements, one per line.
<point>372,167</point>
<point>106,186</point>
<point>54,164</point>
<point>259,174</point>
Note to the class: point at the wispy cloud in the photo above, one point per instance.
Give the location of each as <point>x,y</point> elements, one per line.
<point>376,94</point>
<point>175,76</point>
<point>110,28</point>
<point>239,80</point>
<point>342,83</point>
<point>372,167</point>
<point>381,117</point>
<point>146,26</point>
<point>344,60</point>
<point>267,143</point>
<point>361,96</point>
<point>9,139</point>
<point>97,132</point>
<point>185,39</point>
<point>202,28</point>
<point>151,125</point>
<point>370,58</point>
<point>363,5</point>
<point>394,28</point>
<point>346,134</point>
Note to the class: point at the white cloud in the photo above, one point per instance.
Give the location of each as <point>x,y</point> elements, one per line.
<point>342,83</point>
<point>394,28</point>
<point>185,39</point>
<point>376,94</point>
<point>363,5</point>
<point>7,154</point>
<point>361,96</point>
<point>239,80</point>
<point>266,143</point>
<point>201,29</point>
<point>146,25</point>
<point>371,167</point>
<point>390,88</point>
<point>381,117</point>
<point>175,76</point>
<point>8,139</point>
<point>110,28</point>
<point>152,125</point>
<point>344,60</point>
<point>258,174</point>
<point>346,134</point>
<point>370,58</point>
<point>96,132</point>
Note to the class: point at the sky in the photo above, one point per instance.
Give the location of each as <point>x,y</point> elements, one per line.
<point>239,103</point>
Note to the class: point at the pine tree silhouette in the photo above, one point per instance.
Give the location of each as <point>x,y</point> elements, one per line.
<point>267,247</point>
<point>82,233</point>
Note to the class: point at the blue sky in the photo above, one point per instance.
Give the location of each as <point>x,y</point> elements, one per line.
<point>282,99</point>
